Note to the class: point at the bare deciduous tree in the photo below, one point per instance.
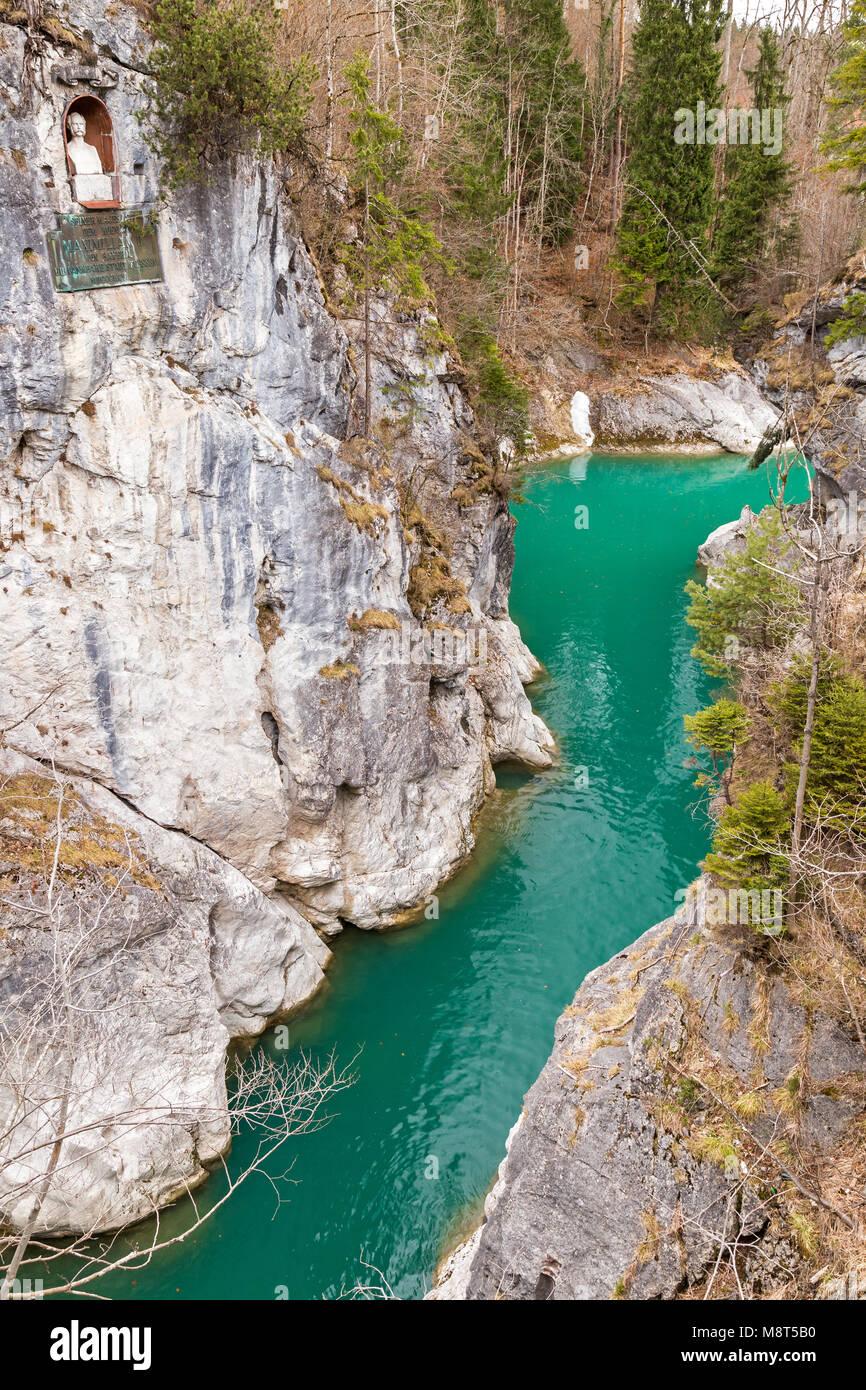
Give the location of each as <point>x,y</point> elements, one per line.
<point>58,1101</point>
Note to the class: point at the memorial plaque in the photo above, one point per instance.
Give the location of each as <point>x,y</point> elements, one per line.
<point>94,250</point>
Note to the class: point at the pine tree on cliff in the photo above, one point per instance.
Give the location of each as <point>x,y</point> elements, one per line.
<point>836,781</point>
<point>662,235</point>
<point>717,731</point>
<point>749,847</point>
<point>752,233</point>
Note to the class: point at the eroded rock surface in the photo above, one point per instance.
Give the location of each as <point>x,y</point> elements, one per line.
<point>727,539</point>
<point>623,1178</point>
<point>727,412</point>
<point>820,391</point>
<point>220,605</point>
<point>632,406</point>
<point>191,546</point>
<point>167,953</point>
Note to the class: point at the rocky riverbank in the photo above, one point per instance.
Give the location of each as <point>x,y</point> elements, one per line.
<point>672,403</point>
<point>698,1128</point>
<point>633,1171</point>
<point>256,674</point>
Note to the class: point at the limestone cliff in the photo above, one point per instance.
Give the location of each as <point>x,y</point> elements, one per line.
<point>671,400</point>
<point>203,574</point>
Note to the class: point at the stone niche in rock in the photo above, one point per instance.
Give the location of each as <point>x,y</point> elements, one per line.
<point>88,137</point>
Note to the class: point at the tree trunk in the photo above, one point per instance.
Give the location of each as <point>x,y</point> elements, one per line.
<point>399,60</point>
<point>617,147</point>
<point>816,627</point>
<point>727,774</point>
<point>62,966</point>
<point>727,65</point>
<point>367,308</point>
<point>26,1236</point>
<point>329,108</point>
<point>817,282</point>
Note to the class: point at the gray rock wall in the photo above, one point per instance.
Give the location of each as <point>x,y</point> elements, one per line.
<point>202,577</point>
<point>613,1185</point>
<point>678,410</point>
<point>167,952</point>
<point>187,540</point>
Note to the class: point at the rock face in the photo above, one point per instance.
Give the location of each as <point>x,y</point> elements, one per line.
<point>727,539</point>
<point>621,1180</point>
<point>821,391</point>
<point>290,645</point>
<point>681,410</point>
<point>190,547</point>
<point>578,398</point>
<point>167,953</point>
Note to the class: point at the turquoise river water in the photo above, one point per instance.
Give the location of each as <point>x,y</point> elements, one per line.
<point>455,1016</point>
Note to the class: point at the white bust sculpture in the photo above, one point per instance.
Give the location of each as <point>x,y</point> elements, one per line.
<point>90,184</point>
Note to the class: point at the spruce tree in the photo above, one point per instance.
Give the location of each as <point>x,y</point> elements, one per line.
<point>717,730</point>
<point>216,86</point>
<point>836,783</point>
<point>662,235</point>
<point>749,845</point>
<point>747,600</point>
<point>551,124</point>
<point>787,699</point>
<point>396,245</point>
<point>846,145</point>
<point>517,104</point>
<point>751,232</point>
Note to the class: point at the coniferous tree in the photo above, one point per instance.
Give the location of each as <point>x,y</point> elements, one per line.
<point>512,176</point>
<point>748,602</point>
<point>662,236</point>
<point>750,841</point>
<point>751,232</point>
<point>836,781</point>
<point>395,246</point>
<point>787,699</point>
<point>553,86</point>
<point>717,730</point>
<point>846,145</point>
<point>216,87</point>
<point>520,95</point>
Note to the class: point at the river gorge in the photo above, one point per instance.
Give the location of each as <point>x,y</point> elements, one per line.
<point>344,665</point>
<point>452,1019</point>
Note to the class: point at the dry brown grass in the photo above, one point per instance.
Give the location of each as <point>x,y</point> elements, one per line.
<point>268,625</point>
<point>339,670</point>
<point>362,513</point>
<point>373,618</point>
<point>431,583</point>
<point>89,842</point>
